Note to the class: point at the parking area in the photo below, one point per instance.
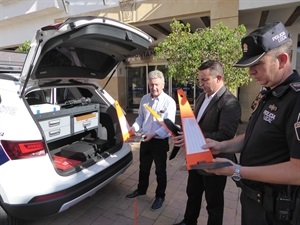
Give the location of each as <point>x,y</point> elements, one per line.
<point>110,207</point>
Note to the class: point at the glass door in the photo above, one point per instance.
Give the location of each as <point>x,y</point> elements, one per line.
<point>191,90</point>
<point>137,87</point>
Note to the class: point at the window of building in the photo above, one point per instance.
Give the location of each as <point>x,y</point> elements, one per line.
<point>137,85</point>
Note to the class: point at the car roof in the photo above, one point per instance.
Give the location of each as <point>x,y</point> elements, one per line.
<point>82,47</point>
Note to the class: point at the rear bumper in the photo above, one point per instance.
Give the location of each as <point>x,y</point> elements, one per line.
<point>36,210</point>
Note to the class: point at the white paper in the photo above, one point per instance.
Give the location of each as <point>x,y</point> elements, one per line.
<point>194,139</point>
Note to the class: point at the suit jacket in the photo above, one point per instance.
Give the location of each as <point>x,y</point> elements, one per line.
<point>221,117</point>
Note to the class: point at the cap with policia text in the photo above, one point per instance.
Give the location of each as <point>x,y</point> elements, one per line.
<point>260,41</point>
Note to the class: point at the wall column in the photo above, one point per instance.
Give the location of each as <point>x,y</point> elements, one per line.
<point>229,17</point>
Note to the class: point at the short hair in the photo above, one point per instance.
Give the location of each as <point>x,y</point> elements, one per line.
<point>285,48</point>
<point>215,67</point>
<point>156,74</point>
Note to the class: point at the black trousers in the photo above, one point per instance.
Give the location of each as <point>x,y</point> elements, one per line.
<point>254,213</point>
<point>213,186</point>
<point>153,150</point>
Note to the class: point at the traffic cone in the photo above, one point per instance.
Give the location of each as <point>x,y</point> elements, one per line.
<point>126,130</point>
<point>159,119</point>
<point>193,136</point>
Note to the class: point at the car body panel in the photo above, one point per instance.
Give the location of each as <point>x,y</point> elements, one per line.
<point>71,196</point>
<point>14,113</point>
<point>43,171</point>
<point>65,61</point>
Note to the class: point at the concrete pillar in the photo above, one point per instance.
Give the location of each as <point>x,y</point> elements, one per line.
<point>229,18</point>
<point>225,11</point>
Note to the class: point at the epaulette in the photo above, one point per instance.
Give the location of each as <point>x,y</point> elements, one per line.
<point>280,91</point>
<point>295,86</point>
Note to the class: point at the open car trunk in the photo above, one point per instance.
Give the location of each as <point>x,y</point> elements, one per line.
<point>59,83</point>
<point>79,129</point>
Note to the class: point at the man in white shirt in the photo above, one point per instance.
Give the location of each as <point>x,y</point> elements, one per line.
<point>155,144</point>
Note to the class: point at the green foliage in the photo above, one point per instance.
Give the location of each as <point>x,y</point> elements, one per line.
<point>185,51</point>
<point>24,47</point>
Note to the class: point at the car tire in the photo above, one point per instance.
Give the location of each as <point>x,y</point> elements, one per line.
<point>8,220</point>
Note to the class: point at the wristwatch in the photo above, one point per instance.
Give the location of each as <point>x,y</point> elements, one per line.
<point>236,175</point>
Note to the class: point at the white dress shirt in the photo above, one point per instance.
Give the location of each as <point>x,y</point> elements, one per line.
<point>164,105</point>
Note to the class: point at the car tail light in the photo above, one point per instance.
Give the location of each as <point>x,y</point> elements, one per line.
<point>47,197</point>
<point>28,149</point>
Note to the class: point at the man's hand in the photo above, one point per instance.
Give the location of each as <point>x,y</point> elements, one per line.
<point>179,139</point>
<point>225,171</point>
<point>214,146</point>
<point>149,136</point>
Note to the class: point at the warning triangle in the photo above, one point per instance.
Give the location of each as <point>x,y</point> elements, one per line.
<point>159,119</point>
<point>193,136</point>
<point>126,130</point>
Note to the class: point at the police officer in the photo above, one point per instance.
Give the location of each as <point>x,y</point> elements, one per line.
<point>268,173</point>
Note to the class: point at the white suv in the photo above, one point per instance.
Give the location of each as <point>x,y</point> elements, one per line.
<point>60,138</point>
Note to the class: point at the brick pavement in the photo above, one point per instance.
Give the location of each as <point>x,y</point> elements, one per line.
<point>110,207</point>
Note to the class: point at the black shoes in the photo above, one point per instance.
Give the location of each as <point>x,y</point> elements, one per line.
<point>181,223</point>
<point>185,223</point>
<point>157,203</point>
<point>134,194</point>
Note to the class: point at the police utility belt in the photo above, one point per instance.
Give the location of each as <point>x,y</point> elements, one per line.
<point>285,205</point>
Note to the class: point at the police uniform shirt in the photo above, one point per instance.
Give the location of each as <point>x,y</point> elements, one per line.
<point>273,132</point>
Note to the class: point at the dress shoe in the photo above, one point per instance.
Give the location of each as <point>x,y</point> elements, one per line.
<point>157,203</point>
<point>181,223</point>
<point>134,194</point>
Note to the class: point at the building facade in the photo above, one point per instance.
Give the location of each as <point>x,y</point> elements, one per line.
<point>19,19</point>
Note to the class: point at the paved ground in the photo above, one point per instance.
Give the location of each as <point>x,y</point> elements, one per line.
<point>110,207</point>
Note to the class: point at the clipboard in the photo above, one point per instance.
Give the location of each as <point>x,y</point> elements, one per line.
<point>174,129</point>
<point>210,165</point>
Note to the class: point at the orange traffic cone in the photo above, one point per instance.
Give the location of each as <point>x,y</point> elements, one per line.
<point>193,136</point>
<point>126,130</point>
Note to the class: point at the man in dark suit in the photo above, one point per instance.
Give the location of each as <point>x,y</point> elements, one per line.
<point>218,113</point>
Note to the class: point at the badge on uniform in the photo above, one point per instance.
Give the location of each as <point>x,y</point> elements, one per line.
<point>295,86</point>
<point>273,107</point>
<point>256,102</point>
